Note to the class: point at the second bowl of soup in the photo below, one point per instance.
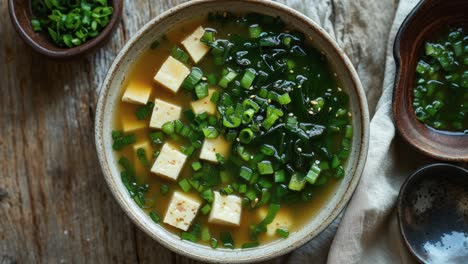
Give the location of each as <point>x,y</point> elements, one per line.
<point>231,135</point>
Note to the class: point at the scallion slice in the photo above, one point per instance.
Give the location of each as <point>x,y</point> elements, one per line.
<point>248,78</point>
<point>192,79</point>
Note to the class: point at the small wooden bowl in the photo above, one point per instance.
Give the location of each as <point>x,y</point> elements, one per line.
<point>426,20</point>
<point>20,14</point>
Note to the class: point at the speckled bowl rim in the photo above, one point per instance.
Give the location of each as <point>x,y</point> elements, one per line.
<point>266,251</point>
<point>417,176</point>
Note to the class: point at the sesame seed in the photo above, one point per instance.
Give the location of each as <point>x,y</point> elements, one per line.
<point>334,74</point>
<point>269,100</point>
<point>291,71</point>
<point>252,96</point>
<point>339,89</point>
<point>204,78</point>
<point>313,102</point>
<point>291,114</point>
<point>237,139</point>
<point>311,112</point>
<point>299,86</point>
<point>349,114</point>
<point>299,149</point>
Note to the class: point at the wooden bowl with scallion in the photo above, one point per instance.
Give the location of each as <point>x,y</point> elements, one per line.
<point>65,29</point>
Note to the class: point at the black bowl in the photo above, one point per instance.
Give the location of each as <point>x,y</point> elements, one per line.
<point>433,214</point>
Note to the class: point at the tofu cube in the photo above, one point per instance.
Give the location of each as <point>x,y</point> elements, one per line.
<point>171,74</point>
<point>169,163</point>
<point>204,104</point>
<point>139,168</point>
<point>181,211</point>
<point>194,46</point>
<point>214,146</point>
<point>283,219</point>
<point>164,112</point>
<point>130,123</point>
<point>137,93</point>
<point>226,210</point>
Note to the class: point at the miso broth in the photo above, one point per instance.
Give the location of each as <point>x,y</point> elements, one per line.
<point>279,109</point>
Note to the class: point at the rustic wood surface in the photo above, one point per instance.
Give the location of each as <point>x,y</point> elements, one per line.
<point>54,204</point>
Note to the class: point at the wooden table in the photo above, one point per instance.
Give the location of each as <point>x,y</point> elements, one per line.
<point>55,206</point>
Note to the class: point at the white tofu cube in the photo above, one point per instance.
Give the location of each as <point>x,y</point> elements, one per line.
<point>226,210</point>
<point>131,124</point>
<point>204,104</point>
<point>214,146</point>
<point>139,167</point>
<point>171,74</point>
<point>164,112</point>
<point>194,46</point>
<point>283,219</point>
<point>169,163</point>
<point>181,211</point>
<point>137,93</point>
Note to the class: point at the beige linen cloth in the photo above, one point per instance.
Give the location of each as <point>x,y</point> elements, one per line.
<point>368,231</point>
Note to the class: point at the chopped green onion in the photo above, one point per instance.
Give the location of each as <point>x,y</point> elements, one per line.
<point>215,97</point>
<point>156,138</point>
<point>192,79</point>
<point>145,111</point>
<point>168,128</point>
<point>280,176</point>
<point>255,31</point>
<point>179,54</point>
<point>210,132</point>
<point>185,185</point>
<point>214,243</point>
<point>208,195</point>
<point>206,209</point>
<point>284,99</point>
<point>142,157</point>
<point>250,244</point>
<point>155,217</point>
<point>246,173</point>
<point>121,140</point>
<point>226,79</point>
<point>227,240</point>
<point>205,234</point>
<point>246,135</point>
<point>248,116</point>
<point>208,37</point>
<point>297,182</point>
<point>265,167</point>
<point>313,174</point>
<point>248,78</point>
<point>282,232</point>
<point>348,131</point>
<point>196,165</point>
<point>164,188</point>
<point>188,236</point>
<point>201,90</point>
<point>267,150</point>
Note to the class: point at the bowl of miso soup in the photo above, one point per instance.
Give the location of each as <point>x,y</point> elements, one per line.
<point>232,131</point>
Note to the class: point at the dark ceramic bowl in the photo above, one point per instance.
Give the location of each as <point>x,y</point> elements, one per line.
<point>433,214</point>
<point>426,20</point>
<point>20,14</point>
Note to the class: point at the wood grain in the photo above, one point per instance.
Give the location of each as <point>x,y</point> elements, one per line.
<point>54,204</point>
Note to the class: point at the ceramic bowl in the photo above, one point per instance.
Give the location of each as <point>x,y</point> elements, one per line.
<point>426,20</point>
<point>433,214</point>
<point>109,98</point>
<point>20,14</point>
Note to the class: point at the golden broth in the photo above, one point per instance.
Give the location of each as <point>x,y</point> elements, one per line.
<point>143,71</point>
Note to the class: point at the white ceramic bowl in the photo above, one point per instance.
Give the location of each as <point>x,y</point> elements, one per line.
<point>109,98</point>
